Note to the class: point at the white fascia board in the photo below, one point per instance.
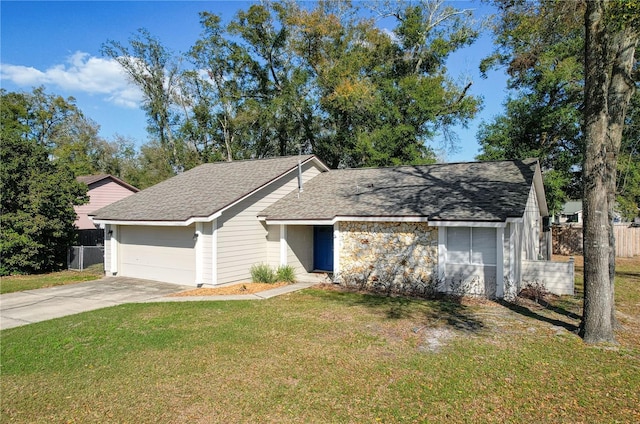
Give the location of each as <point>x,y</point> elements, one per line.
<point>344,219</point>
<point>485,224</point>
<point>388,219</point>
<point>147,223</point>
<point>382,218</point>
<point>515,220</point>
<point>159,223</point>
<point>296,222</point>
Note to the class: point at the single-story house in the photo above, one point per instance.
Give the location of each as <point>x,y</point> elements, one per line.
<point>476,224</point>
<point>571,213</point>
<point>103,189</point>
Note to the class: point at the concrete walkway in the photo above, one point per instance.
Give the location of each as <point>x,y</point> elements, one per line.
<point>29,306</point>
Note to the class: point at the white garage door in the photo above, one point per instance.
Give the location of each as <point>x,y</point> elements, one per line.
<point>158,253</point>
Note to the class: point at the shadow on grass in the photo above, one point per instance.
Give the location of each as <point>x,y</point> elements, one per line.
<point>628,275</point>
<point>559,310</point>
<point>523,310</point>
<point>446,309</point>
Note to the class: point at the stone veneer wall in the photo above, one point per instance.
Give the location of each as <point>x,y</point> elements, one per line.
<point>395,253</point>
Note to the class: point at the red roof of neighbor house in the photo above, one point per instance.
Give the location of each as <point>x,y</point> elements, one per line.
<point>92,179</point>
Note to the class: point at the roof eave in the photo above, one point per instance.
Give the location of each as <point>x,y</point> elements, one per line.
<point>538,185</point>
<point>158,223</point>
<point>215,213</point>
<point>352,218</point>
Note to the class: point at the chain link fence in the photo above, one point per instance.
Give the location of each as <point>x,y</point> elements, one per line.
<point>80,258</point>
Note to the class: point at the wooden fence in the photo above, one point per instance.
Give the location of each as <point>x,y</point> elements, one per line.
<point>567,240</point>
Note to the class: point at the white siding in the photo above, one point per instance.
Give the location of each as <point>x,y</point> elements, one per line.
<point>508,262</point>
<point>158,253</point>
<point>273,245</point>
<point>300,248</point>
<point>107,250</point>
<point>531,229</point>
<point>207,256</point>
<point>243,240</point>
<point>557,277</point>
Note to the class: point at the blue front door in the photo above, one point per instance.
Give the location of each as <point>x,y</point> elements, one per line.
<point>323,248</point>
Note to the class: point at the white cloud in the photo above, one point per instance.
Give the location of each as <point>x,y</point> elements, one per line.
<point>81,73</point>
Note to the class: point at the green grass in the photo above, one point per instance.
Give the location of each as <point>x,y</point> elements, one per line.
<point>323,356</point>
<point>16,283</point>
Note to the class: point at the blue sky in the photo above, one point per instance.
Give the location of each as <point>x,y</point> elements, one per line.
<point>57,44</point>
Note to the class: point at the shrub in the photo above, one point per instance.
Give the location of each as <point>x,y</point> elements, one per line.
<point>535,291</point>
<point>262,273</point>
<point>286,273</point>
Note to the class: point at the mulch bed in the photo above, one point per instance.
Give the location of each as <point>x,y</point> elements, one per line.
<point>240,288</point>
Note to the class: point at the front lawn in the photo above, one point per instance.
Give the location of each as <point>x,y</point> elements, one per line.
<point>322,355</point>
<point>16,283</point>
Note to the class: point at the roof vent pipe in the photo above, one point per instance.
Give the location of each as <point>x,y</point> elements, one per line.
<point>300,190</point>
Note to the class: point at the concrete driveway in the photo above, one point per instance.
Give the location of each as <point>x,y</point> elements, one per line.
<point>31,306</point>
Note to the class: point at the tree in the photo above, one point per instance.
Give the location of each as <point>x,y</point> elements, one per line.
<point>155,70</point>
<point>384,97</point>
<point>281,79</point>
<point>570,107</point>
<point>38,194</point>
<point>628,186</point>
<point>612,35</point>
<point>541,45</point>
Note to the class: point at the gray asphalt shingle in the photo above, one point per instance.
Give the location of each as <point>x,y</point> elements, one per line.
<point>199,192</point>
<point>477,191</point>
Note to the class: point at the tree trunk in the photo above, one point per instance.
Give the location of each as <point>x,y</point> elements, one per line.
<point>621,88</point>
<point>596,321</point>
<point>609,59</point>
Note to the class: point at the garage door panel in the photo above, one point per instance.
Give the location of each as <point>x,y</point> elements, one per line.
<point>163,254</point>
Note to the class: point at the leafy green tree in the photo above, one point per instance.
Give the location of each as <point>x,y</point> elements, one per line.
<point>282,78</point>
<point>221,112</point>
<point>155,70</point>
<point>151,166</point>
<point>385,96</point>
<point>628,186</point>
<point>38,194</point>
<point>275,86</point>
<point>541,45</point>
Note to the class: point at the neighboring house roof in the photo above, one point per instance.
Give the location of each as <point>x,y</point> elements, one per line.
<point>103,190</point>
<point>477,191</point>
<point>92,179</point>
<point>201,191</point>
<point>572,207</point>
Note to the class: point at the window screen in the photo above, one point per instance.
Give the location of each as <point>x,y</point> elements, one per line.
<point>471,245</point>
<point>483,246</point>
<point>458,245</point>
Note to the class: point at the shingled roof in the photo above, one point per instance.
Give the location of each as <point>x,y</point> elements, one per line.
<point>199,192</point>
<point>92,179</point>
<point>476,191</point>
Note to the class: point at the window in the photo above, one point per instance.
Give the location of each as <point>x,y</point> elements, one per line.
<point>475,245</point>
